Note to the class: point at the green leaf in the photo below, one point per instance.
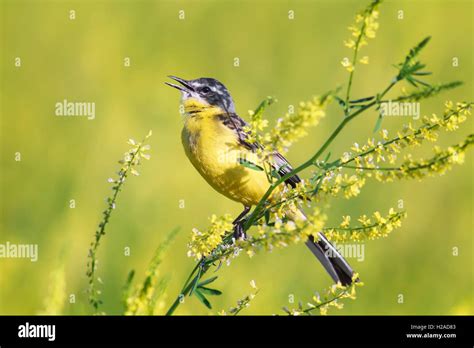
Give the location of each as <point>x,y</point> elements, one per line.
<point>262,106</point>
<point>161,249</point>
<point>274,174</point>
<point>421,82</point>
<point>209,291</point>
<point>202,298</point>
<point>409,66</point>
<point>318,186</point>
<point>267,217</point>
<point>207,281</point>
<point>340,101</point>
<point>416,50</point>
<point>411,81</point>
<point>429,91</point>
<point>325,161</point>
<point>195,281</point>
<point>378,124</point>
<point>422,73</point>
<point>249,164</point>
<point>127,285</point>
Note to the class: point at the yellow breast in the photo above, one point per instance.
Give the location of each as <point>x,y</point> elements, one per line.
<point>214,151</point>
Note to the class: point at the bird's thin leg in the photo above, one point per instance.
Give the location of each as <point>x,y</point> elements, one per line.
<point>238,224</point>
<point>241,215</point>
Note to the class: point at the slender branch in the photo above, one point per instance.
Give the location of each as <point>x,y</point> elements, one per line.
<point>185,290</point>
<point>92,263</point>
<point>308,310</point>
<point>351,74</point>
<point>372,168</point>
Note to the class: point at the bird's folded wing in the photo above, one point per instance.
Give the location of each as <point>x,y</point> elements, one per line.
<point>280,163</point>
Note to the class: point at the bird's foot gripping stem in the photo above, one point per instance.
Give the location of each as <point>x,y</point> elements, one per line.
<point>239,232</point>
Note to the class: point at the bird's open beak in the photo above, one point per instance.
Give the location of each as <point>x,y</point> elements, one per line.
<point>186,87</point>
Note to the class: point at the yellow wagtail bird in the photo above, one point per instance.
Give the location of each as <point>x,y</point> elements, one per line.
<point>214,140</point>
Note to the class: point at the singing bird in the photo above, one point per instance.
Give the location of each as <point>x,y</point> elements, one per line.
<point>215,139</point>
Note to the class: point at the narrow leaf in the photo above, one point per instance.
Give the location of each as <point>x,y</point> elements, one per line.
<point>262,106</point>
<point>195,281</point>
<point>202,298</point>
<point>209,291</point>
<point>207,281</point>
<point>378,124</point>
<point>422,73</point>
<point>249,164</point>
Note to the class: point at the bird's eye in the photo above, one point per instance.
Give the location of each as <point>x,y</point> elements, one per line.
<point>205,89</point>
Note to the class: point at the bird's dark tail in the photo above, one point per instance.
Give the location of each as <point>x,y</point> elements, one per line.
<point>327,254</point>
<point>331,259</point>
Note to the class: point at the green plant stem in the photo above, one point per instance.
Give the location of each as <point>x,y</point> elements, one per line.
<point>354,59</point>
<point>185,290</point>
<point>309,310</point>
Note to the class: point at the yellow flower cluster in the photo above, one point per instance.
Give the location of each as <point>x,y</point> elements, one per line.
<point>258,124</point>
<point>204,243</point>
<point>442,161</point>
<point>243,302</point>
<point>330,299</point>
<point>454,115</point>
<point>142,300</point>
<point>365,27</point>
<point>56,297</point>
<point>293,126</point>
<point>369,228</point>
<point>365,159</point>
<point>133,157</point>
<point>336,182</point>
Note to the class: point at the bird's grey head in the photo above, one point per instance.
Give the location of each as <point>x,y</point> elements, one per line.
<point>207,90</point>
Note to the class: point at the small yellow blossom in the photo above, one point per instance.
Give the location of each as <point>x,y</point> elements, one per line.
<point>364,220</point>
<point>346,63</point>
<point>242,303</point>
<point>346,220</point>
<point>349,43</point>
<point>364,60</point>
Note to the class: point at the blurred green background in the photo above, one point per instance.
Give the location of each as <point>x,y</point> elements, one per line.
<point>71,158</point>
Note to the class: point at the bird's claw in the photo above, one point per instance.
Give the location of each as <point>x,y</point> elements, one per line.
<point>239,232</point>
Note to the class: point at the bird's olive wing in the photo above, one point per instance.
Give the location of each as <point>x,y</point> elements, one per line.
<point>280,163</point>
